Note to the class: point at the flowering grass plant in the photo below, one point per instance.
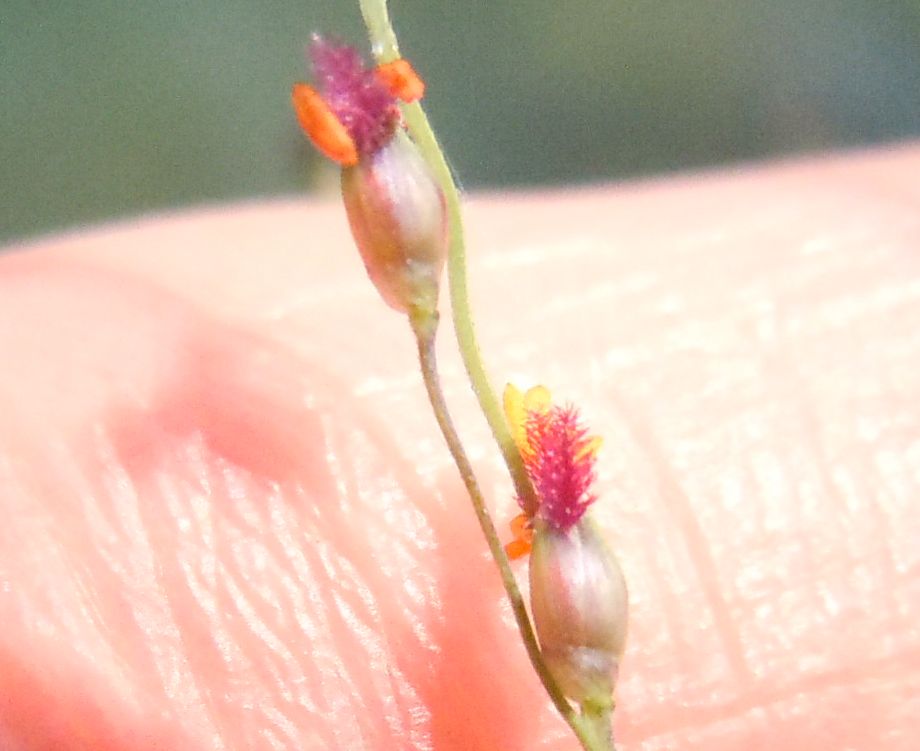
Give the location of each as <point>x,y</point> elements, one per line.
<point>403,208</point>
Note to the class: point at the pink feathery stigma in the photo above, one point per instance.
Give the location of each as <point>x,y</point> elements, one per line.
<point>561,466</point>
<point>367,110</point>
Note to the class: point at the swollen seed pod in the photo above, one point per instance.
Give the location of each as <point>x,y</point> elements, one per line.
<point>579,603</point>
<point>398,218</point>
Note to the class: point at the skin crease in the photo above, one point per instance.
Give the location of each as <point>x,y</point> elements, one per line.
<point>230,523</point>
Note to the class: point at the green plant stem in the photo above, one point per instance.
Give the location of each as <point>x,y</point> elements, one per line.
<point>588,728</point>
<point>424,325</point>
<point>386,49</point>
<point>596,721</point>
<point>380,30</point>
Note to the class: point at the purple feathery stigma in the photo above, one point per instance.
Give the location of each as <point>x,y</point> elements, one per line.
<point>367,110</point>
<point>562,465</point>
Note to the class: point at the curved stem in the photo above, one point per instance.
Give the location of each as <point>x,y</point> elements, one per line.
<point>386,49</point>
<point>424,326</point>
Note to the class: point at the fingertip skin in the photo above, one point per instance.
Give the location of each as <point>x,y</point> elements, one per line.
<point>52,709</point>
<point>229,522</point>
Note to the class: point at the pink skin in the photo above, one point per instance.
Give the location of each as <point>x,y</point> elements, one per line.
<point>230,523</point>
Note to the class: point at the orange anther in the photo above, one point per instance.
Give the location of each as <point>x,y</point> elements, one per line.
<point>517,549</point>
<point>322,125</point>
<point>522,530</point>
<point>401,80</point>
<point>521,527</point>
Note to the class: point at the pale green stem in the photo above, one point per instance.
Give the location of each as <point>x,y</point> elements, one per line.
<point>424,325</point>
<point>380,30</point>
<point>386,49</point>
<point>596,722</point>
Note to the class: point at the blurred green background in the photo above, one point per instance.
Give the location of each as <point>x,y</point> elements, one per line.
<point>111,108</point>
